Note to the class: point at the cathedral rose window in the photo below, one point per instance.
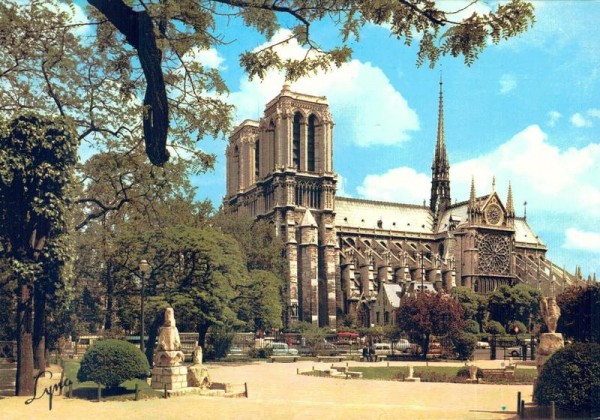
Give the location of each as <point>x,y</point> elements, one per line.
<point>494,254</point>
<point>493,214</point>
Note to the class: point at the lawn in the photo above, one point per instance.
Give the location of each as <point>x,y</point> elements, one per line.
<point>89,390</point>
<point>435,374</point>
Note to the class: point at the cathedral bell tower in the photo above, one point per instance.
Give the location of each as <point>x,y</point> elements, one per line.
<point>440,168</point>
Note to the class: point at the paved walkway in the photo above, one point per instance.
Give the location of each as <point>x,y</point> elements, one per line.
<point>276,392</point>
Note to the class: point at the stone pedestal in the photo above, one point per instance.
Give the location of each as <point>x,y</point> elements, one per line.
<point>197,376</point>
<point>549,343</point>
<point>171,377</point>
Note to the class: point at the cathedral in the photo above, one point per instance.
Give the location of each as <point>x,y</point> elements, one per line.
<point>355,259</point>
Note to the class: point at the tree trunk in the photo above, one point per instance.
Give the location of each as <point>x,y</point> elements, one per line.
<point>202,330</point>
<point>24,383</point>
<point>39,328</point>
<point>159,320</point>
<point>425,346</point>
<point>110,291</point>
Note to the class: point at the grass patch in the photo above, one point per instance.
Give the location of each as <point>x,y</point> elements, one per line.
<point>89,390</point>
<point>435,374</point>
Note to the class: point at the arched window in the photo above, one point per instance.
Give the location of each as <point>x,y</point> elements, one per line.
<point>256,159</point>
<point>296,140</point>
<point>310,147</point>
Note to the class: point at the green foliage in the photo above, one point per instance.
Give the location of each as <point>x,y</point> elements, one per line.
<point>464,345</point>
<point>580,312</point>
<point>218,343</point>
<point>471,327</point>
<point>261,353</point>
<point>474,305</point>
<point>112,362</point>
<point>517,303</point>
<point>571,378</point>
<point>260,302</point>
<point>495,328</point>
<point>463,372</point>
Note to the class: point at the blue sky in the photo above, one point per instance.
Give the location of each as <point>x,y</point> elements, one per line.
<point>527,112</point>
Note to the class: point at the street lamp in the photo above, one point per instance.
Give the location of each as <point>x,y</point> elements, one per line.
<point>145,272</point>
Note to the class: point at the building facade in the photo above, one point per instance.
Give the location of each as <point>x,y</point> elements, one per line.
<point>354,258</point>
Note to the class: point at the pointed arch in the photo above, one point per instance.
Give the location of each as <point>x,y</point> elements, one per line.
<point>310,145</point>
<point>296,140</point>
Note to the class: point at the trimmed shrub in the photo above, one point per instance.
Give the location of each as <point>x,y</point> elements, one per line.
<point>262,353</point>
<point>571,378</point>
<point>218,343</point>
<point>112,362</point>
<point>495,328</point>
<point>471,326</point>
<point>463,372</point>
<point>464,345</point>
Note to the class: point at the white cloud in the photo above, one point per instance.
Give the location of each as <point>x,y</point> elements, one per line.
<point>208,58</point>
<point>507,83</point>
<point>583,241</point>
<point>403,185</point>
<point>578,120</point>
<point>554,117</point>
<point>359,94</point>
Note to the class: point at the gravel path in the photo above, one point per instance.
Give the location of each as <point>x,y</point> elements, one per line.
<point>277,392</point>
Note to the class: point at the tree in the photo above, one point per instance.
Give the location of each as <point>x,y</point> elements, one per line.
<point>517,303</point>
<point>154,42</point>
<point>37,156</point>
<point>474,305</point>
<point>426,314</point>
<point>260,302</point>
<point>580,312</point>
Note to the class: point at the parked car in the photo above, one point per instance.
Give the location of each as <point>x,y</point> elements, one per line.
<point>516,351</point>
<point>404,345</point>
<point>326,349</point>
<point>383,348</point>
<point>281,349</point>
<point>483,345</point>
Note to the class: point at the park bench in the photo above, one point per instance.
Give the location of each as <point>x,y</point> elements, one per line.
<point>284,359</point>
<point>331,358</point>
<point>505,373</point>
<point>376,358</point>
<point>344,371</point>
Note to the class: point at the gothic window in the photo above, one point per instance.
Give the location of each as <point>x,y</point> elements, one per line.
<point>296,140</point>
<point>310,147</point>
<point>256,159</point>
<point>493,214</point>
<point>494,254</point>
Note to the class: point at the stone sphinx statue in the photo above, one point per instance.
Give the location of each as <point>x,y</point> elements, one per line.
<point>197,375</point>
<point>169,345</point>
<point>550,312</point>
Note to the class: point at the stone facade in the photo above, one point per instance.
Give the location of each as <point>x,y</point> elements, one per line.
<point>342,251</point>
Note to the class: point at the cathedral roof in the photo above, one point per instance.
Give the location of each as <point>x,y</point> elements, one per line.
<point>458,212</point>
<point>524,234</point>
<point>308,219</point>
<point>378,215</point>
<point>392,291</point>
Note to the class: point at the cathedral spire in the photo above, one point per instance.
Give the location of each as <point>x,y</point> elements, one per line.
<point>440,168</point>
<point>510,207</point>
<point>472,195</point>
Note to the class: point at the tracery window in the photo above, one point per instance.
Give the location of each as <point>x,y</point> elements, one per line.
<point>494,254</point>
<point>310,147</point>
<point>296,140</point>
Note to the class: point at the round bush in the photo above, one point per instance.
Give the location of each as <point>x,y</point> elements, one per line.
<point>571,378</point>
<point>471,326</point>
<point>463,372</point>
<point>495,328</point>
<point>464,345</point>
<point>112,362</point>
<point>513,324</point>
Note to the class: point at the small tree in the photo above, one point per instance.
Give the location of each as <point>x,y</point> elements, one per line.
<point>464,345</point>
<point>427,314</point>
<point>495,328</point>
<point>112,362</point>
<point>580,312</point>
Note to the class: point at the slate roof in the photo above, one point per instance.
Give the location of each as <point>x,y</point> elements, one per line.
<point>357,213</point>
<point>392,291</point>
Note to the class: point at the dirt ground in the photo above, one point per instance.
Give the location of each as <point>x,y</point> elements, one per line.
<point>275,391</point>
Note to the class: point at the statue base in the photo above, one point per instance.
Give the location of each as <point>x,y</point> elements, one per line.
<point>549,343</point>
<point>171,377</point>
<point>197,376</point>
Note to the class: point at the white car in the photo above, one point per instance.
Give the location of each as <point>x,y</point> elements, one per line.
<point>516,351</point>
<point>483,345</point>
<point>404,345</point>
